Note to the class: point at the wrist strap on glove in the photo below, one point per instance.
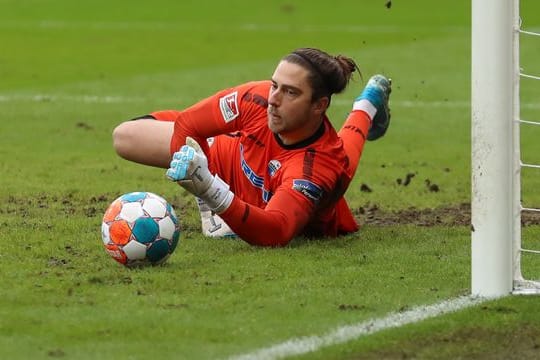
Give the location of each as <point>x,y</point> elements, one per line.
<point>218,197</point>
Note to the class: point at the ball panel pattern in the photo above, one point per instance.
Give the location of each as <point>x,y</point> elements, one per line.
<point>112,211</point>
<point>170,211</point>
<point>120,232</point>
<point>131,211</point>
<point>166,227</point>
<point>175,240</point>
<point>134,250</point>
<point>154,208</point>
<point>116,253</point>
<point>105,233</point>
<point>133,197</point>
<point>140,228</point>
<point>158,250</point>
<point>145,230</point>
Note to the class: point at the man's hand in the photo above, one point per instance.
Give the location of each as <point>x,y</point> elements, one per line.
<point>189,168</point>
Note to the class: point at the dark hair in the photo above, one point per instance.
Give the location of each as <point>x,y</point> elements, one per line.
<point>328,74</point>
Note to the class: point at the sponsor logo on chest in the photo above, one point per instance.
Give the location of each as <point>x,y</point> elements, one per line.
<point>273,166</point>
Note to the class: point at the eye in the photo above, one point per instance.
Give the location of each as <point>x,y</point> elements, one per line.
<point>291,92</point>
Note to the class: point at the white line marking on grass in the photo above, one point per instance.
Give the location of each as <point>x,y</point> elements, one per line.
<point>347,333</point>
<point>116,99</point>
<point>71,98</point>
<point>190,26</point>
<point>417,103</point>
<point>436,104</point>
<point>128,99</point>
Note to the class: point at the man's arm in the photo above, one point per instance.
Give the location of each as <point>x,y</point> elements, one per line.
<point>284,217</point>
<point>221,113</point>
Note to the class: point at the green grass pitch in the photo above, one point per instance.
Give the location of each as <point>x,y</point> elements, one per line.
<point>71,70</point>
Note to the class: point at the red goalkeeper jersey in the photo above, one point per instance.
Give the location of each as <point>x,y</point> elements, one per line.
<point>281,191</point>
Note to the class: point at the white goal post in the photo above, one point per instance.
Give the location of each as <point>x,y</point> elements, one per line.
<point>495,139</point>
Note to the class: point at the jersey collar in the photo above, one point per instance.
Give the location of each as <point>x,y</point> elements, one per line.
<point>301,144</point>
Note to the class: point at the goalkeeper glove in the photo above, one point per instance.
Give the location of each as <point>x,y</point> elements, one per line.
<point>189,168</point>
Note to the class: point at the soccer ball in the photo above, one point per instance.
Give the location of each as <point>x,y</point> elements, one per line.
<point>140,228</point>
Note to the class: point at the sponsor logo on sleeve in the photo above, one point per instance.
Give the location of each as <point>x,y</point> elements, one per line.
<point>310,190</point>
<point>228,105</point>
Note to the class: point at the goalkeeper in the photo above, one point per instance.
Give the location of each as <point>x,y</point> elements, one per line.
<point>262,158</point>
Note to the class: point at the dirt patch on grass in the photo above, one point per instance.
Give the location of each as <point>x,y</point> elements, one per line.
<point>451,215</point>
<point>371,214</point>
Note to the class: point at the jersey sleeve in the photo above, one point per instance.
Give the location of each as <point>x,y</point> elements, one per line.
<point>290,209</point>
<point>285,216</point>
<point>224,112</point>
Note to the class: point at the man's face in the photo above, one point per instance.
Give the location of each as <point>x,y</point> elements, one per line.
<point>291,113</point>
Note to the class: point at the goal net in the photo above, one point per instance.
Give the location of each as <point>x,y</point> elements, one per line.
<point>498,206</point>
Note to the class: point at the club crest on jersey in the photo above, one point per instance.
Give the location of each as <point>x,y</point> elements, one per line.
<point>310,190</point>
<point>273,166</point>
<point>228,105</point>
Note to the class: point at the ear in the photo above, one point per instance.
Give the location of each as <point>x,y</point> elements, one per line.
<point>320,105</point>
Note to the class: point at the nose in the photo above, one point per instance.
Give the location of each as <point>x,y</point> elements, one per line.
<point>273,97</point>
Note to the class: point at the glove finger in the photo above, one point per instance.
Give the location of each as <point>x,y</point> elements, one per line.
<point>178,169</point>
<point>194,144</point>
<point>186,153</point>
<point>179,154</point>
<point>171,174</point>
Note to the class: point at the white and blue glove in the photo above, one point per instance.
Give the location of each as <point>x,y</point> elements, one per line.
<point>189,168</point>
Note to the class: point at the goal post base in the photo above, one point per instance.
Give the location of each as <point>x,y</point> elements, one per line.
<point>526,287</point>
